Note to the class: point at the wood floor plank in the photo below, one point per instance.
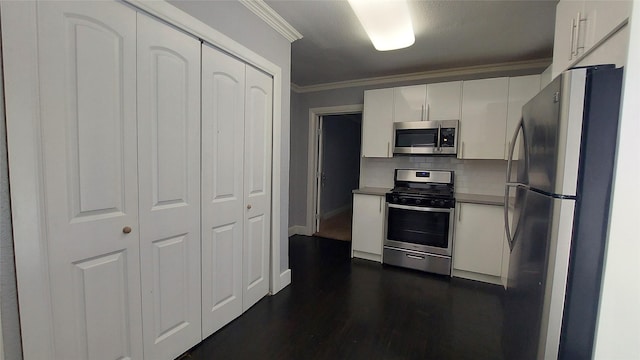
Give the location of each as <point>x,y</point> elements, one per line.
<point>339,308</point>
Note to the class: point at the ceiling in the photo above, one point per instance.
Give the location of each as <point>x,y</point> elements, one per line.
<point>449,34</point>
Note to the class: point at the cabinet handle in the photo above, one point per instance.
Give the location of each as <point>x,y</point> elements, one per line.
<point>572,31</point>
<point>388,149</point>
<point>459,213</point>
<point>422,117</point>
<point>579,19</point>
<point>426,112</point>
<point>126,229</point>
<point>380,207</point>
<point>462,150</point>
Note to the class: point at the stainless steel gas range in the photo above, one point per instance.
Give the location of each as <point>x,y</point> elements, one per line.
<point>419,224</point>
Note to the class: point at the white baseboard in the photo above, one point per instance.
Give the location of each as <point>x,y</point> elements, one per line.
<point>297,230</point>
<point>285,279</point>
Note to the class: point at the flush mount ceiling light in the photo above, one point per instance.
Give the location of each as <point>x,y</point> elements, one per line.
<point>387,22</point>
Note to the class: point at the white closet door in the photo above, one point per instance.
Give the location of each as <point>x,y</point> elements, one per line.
<point>223,79</point>
<point>169,186</point>
<point>257,185</point>
<point>87,68</point>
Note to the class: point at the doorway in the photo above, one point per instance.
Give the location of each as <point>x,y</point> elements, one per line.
<point>338,173</point>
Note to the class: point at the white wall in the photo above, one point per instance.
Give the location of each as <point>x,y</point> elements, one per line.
<point>237,22</point>
<point>618,328</point>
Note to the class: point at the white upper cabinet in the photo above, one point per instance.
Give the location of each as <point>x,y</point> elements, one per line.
<point>443,101</point>
<point>377,123</point>
<point>581,25</point>
<point>438,101</point>
<point>521,90</point>
<point>409,103</point>
<point>483,120</point>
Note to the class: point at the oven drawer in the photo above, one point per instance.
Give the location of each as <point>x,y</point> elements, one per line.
<point>417,260</point>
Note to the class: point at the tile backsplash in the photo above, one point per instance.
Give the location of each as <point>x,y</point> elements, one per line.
<point>483,177</point>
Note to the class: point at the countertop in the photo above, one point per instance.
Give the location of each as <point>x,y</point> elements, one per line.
<point>372,191</point>
<point>480,199</point>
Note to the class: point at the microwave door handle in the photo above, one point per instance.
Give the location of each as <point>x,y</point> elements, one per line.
<point>438,137</point>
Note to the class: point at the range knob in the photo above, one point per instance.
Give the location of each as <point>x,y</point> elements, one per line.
<point>441,202</point>
<point>433,202</point>
<point>395,199</point>
<point>403,200</point>
<point>418,201</point>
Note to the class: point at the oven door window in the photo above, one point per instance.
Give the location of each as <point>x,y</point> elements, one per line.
<point>419,227</point>
<point>416,137</point>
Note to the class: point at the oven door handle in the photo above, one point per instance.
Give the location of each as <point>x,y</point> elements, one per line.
<point>420,208</point>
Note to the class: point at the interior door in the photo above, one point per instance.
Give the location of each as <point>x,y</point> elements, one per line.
<point>223,84</point>
<point>87,69</point>
<point>257,185</point>
<point>169,187</point>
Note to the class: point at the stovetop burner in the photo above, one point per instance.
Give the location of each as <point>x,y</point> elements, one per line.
<point>422,188</point>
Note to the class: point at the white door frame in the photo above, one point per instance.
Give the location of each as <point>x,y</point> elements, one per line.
<point>312,154</point>
<point>318,178</point>
<point>25,155</point>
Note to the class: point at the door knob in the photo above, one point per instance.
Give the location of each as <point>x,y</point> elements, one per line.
<point>126,229</point>
<point>249,206</point>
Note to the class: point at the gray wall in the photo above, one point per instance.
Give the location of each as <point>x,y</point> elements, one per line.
<point>237,22</point>
<point>8,294</point>
<point>340,160</point>
<point>302,102</point>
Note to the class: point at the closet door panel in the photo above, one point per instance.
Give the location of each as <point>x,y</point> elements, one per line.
<point>223,81</point>
<point>169,180</point>
<point>257,182</point>
<point>87,72</point>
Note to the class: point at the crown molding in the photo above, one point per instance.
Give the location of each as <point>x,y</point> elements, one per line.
<point>531,65</point>
<point>272,18</point>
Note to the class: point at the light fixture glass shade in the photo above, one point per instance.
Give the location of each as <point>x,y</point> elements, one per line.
<point>387,22</point>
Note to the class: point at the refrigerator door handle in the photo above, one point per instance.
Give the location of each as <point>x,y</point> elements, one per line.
<point>512,146</point>
<point>507,228</point>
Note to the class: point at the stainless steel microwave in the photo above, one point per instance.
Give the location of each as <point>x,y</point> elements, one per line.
<point>425,137</point>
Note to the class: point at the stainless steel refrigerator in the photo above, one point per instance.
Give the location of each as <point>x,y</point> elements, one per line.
<point>557,196</point>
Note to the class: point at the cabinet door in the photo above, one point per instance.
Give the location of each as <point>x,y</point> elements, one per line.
<point>483,121</point>
<point>521,90</point>
<point>169,187</point>
<point>602,17</point>
<point>479,235</point>
<point>377,123</point>
<point>368,224</point>
<point>565,42</point>
<point>223,80</point>
<point>444,101</point>
<point>409,103</point>
<point>87,69</point>
<point>257,185</point>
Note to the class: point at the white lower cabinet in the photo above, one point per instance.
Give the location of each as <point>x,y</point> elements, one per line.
<point>479,240</point>
<point>368,226</point>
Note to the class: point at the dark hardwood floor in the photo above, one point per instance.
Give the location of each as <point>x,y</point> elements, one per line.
<point>339,308</point>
